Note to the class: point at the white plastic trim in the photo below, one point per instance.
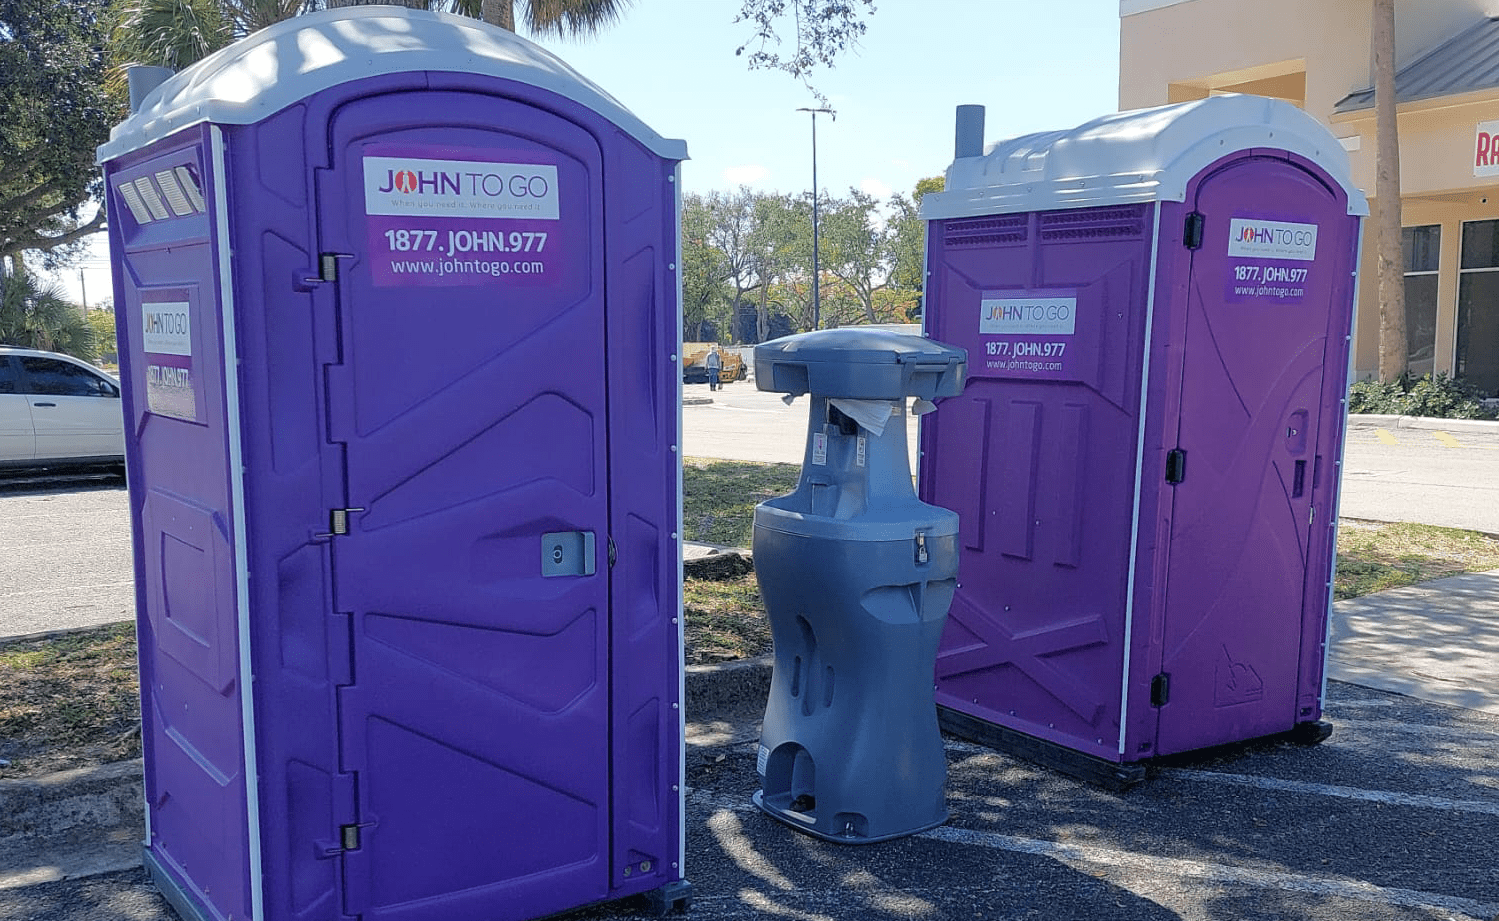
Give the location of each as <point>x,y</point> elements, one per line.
<point>1134,524</point>
<point>676,370</point>
<point>1132,157</point>
<point>293,60</point>
<point>1337,505</point>
<point>237,504</point>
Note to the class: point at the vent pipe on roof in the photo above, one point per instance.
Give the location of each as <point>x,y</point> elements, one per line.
<point>143,80</point>
<point>969,138</point>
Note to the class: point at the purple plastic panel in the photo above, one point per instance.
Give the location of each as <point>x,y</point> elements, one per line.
<point>1264,363</point>
<point>1037,458</point>
<point>418,678</point>
<point>171,360</point>
<point>1247,368</point>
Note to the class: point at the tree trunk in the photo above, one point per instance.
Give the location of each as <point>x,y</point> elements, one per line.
<point>1393,348</point>
<point>499,13</point>
<point>762,313</point>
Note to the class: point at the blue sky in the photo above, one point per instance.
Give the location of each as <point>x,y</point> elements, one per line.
<point>1036,65</point>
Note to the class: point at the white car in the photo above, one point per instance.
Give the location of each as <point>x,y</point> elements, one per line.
<point>57,411</point>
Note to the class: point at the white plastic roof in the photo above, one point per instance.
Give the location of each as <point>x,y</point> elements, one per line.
<point>1138,156</point>
<point>295,59</point>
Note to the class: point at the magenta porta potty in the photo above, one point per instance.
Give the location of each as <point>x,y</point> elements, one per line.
<point>398,317</point>
<point>1145,464</point>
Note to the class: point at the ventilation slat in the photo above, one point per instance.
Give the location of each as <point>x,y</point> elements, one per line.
<point>1092,224</point>
<point>1002,229</point>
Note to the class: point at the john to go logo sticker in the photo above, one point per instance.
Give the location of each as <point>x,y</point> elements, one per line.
<point>1272,239</point>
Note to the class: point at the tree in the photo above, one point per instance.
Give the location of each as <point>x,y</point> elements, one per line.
<point>731,231</point>
<point>178,33</point>
<point>1393,347</point>
<point>54,111</point>
<point>106,348</point>
<point>855,247</point>
<point>704,269</point>
<point>36,316</point>
<point>780,246</point>
<point>908,235</point>
<point>823,29</point>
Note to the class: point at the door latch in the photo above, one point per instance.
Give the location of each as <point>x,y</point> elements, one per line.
<point>1192,231</point>
<point>1176,466</point>
<point>1160,690</point>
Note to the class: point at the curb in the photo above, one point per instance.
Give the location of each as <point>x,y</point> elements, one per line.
<point>70,824</point>
<point>1375,420</point>
<point>87,821</point>
<point>727,686</point>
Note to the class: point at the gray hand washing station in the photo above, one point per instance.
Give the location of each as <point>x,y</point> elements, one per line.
<point>857,574</point>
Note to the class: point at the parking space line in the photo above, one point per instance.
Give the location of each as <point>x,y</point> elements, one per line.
<point>1446,439</point>
<point>1361,702</point>
<point>1385,436</point>
<point>1116,860</point>
<point>69,589</point>
<point>1460,733</point>
<point>1113,861</point>
<point>1384,797</point>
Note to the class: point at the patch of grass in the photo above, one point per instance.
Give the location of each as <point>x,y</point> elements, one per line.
<point>725,620</point>
<point>719,497</point>
<point>1374,556</point>
<point>72,700</point>
<point>69,701</point>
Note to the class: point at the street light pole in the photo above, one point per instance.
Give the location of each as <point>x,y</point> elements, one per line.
<point>816,272</point>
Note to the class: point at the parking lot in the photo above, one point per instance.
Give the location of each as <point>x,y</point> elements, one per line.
<point>1394,817</point>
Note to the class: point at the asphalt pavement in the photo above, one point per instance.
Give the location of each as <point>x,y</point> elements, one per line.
<point>65,547</point>
<point>1393,817</point>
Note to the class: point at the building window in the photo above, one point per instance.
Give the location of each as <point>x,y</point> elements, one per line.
<point>1478,307</point>
<point>1423,248</point>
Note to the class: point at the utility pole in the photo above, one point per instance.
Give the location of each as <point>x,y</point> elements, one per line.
<point>816,269</point>
<point>83,290</point>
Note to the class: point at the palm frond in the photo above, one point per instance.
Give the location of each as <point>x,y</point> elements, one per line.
<point>573,18</point>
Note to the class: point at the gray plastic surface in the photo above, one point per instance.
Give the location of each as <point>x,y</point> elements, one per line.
<point>857,574</point>
<point>861,363</point>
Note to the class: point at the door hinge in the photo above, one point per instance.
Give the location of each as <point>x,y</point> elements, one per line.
<point>1176,466</point>
<point>1193,230</point>
<point>1160,690</point>
<point>338,521</point>
<point>613,554</point>
<point>327,267</point>
<point>349,838</point>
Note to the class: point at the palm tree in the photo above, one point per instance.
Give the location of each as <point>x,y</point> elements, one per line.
<point>559,18</point>
<point>36,316</point>
<point>1393,348</point>
<point>177,33</point>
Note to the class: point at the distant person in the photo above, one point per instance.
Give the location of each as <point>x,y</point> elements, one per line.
<point>714,363</point>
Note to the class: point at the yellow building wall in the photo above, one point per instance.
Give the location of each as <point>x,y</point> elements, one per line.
<point>1314,53</point>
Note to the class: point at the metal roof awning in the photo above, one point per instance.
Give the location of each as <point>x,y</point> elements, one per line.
<point>1465,63</point>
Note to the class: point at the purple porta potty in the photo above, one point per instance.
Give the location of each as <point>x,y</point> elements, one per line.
<point>1145,463</point>
<point>398,317</point>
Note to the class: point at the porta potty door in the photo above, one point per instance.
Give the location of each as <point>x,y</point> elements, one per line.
<point>1263,365</point>
<point>469,414</point>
